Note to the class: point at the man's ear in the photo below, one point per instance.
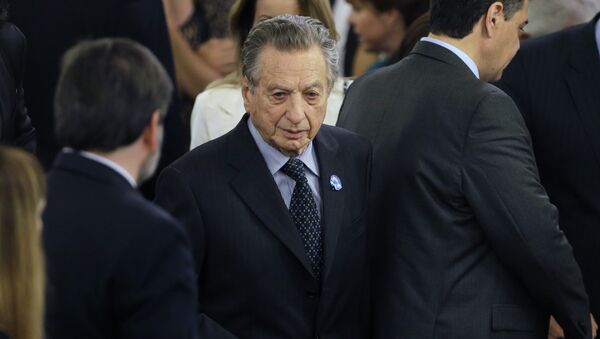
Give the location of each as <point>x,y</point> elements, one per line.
<point>492,18</point>
<point>247,95</point>
<point>150,136</point>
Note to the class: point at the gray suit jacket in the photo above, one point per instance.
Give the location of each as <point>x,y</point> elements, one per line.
<point>469,243</point>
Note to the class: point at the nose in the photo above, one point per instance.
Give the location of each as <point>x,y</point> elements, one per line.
<point>295,109</point>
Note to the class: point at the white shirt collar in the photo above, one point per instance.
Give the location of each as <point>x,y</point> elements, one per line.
<point>462,55</point>
<point>275,159</point>
<point>106,162</point>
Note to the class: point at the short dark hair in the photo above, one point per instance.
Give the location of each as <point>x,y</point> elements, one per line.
<point>106,94</point>
<point>410,9</point>
<point>456,18</point>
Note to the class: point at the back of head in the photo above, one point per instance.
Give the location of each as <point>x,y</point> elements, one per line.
<point>22,190</point>
<point>456,18</point>
<point>288,33</point>
<point>106,94</point>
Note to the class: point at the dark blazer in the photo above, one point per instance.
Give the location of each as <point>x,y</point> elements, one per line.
<point>118,266</point>
<point>470,244</point>
<point>254,278</point>
<point>555,81</point>
<point>15,125</point>
<point>52,27</point>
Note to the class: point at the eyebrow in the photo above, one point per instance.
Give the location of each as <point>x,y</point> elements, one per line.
<point>317,84</point>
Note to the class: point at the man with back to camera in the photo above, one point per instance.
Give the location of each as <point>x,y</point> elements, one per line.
<point>276,208</point>
<point>118,266</point>
<point>470,244</point>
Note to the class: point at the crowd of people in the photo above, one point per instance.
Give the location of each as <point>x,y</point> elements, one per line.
<point>264,169</point>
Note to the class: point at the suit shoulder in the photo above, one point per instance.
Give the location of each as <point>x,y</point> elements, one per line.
<point>150,219</point>
<point>549,47</point>
<point>207,154</point>
<point>347,139</point>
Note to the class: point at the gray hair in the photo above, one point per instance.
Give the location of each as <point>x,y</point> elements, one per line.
<point>288,33</point>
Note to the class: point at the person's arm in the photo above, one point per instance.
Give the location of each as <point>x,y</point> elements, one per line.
<point>176,197</point>
<point>154,287</point>
<point>196,69</point>
<point>501,184</point>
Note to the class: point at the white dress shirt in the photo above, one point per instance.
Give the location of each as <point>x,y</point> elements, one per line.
<point>106,162</point>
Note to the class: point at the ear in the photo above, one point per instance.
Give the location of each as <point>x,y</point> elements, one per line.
<point>493,18</point>
<point>150,137</point>
<point>247,95</point>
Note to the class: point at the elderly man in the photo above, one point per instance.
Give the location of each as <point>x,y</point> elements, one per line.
<point>276,208</point>
<point>118,266</point>
<point>471,244</point>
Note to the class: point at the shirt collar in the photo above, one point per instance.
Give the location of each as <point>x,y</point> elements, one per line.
<point>462,55</point>
<point>106,162</point>
<point>275,159</point>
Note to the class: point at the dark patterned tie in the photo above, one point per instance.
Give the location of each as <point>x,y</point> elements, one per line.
<point>304,213</point>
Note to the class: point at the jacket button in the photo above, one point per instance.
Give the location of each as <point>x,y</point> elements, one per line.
<point>312,295</point>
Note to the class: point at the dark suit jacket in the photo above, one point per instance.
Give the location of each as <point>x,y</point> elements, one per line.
<point>555,81</point>
<point>118,266</point>
<point>52,27</point>
<point>254,277</point>
<point>470,243</point>
<point>15,125</point>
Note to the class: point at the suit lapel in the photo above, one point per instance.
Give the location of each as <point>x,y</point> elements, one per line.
<point>333,201</point>
<point>256,187</point>
<point>583,82</point>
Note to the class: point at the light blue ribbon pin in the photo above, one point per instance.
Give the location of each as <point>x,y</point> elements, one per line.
<point>336,183</point>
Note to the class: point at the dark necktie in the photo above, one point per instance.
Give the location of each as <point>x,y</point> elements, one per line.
<point>304,213</point>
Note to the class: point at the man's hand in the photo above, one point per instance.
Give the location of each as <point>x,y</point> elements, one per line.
<point>556,332</point>
<point>220,54</point>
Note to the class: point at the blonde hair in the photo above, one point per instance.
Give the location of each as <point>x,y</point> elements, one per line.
<point>22,189</point>
<point>241,20</point>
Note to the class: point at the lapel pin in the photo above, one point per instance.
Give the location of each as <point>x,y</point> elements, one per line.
<point>336,183</point>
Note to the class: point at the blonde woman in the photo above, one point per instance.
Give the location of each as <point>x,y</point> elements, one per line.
<point>220,107</point>
<point>22,190</point>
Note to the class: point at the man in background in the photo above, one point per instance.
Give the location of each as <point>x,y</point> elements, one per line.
<point>470,244</point>
<point>118,266</point>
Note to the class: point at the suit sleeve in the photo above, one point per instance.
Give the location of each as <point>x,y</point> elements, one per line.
<point>155,285</point>
<point>501,183</point>
<point>175,196</point>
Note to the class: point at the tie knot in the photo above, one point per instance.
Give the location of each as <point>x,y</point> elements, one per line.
<point>294,169</point>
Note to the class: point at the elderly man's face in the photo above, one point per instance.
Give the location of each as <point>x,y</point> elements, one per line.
<point>288,104</point>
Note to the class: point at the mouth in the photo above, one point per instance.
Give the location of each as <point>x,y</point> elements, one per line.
<point>294,134</point>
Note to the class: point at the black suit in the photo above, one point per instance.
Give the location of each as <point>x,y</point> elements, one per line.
<point>470,243</point>
<point>555,81</point>
<point>118,266</point>
<point>15,125</point>
<point>52,27</point>
<point>255,280</point>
